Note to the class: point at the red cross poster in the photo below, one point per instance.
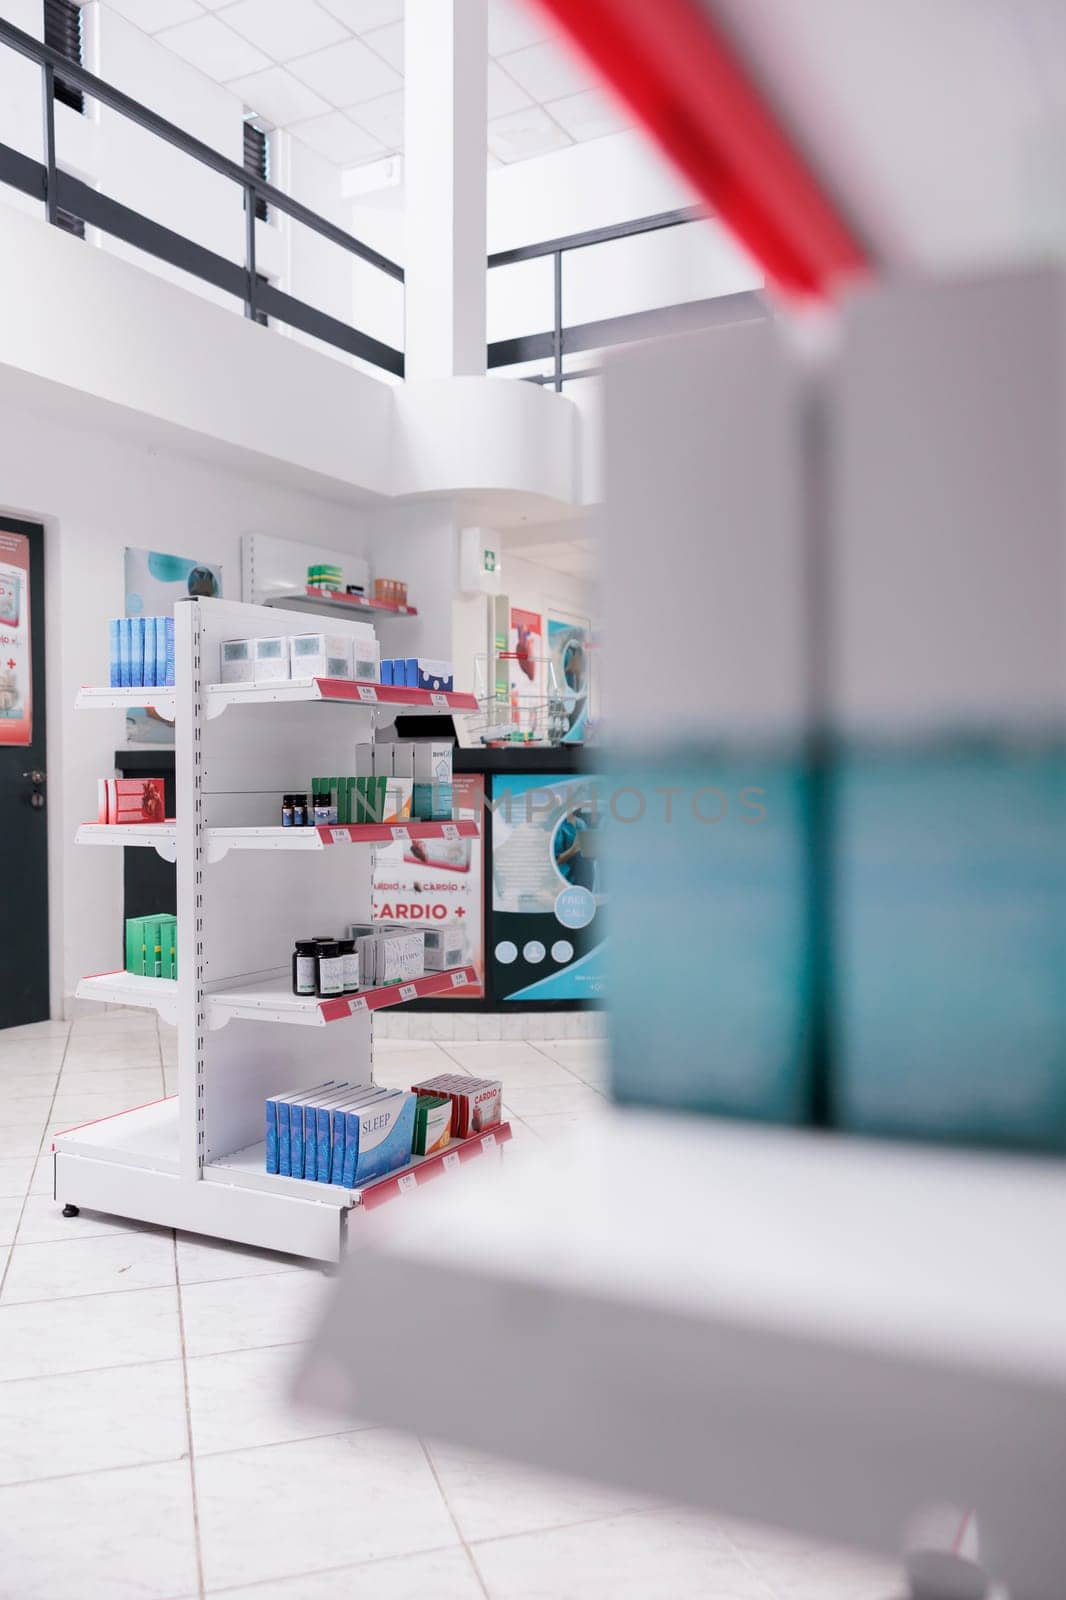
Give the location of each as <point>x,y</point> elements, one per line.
<point>16,676</point>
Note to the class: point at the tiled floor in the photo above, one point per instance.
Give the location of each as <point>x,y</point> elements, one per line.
<point>147,1451</point>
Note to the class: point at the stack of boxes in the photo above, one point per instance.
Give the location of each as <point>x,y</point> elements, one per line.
<point>340,1133</point>
<point>418,672</point>
<point>141,652</point>
<point>303,656</point>
<point>394,781</point>
<point>152,946</point>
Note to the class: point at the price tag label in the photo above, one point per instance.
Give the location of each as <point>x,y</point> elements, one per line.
<point>358,1004</point>
<point>451,1161</point>
<point>408,1181</point>
<point>439,699</point>
<point>489,1142</point>
<point>368,692</point>
<point>401,833</point>
<point>408,991</point>
<point>459,979</point>
<point>449,831</point>
<point>340,836</point>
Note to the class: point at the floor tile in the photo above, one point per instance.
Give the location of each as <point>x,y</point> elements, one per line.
<point>513,1060</point>
<point>16,1085</point>
<point>85,1421</point>
<point>79,1334</point>
<point>552,1099</point>
<point>250,1313</point>
<point>203,1260</point>
<point>131,1539</point>
<point>74,1107</point>
<point>43,1222</point>
<point>130,1260</point>
<point>10,1212</point>
<point>490,1498</point>
<point>42,1174</point>
<point>138,1082</point>
<point>556,1129</point>
<point>35,1032</point>
<point>132,1019</point>
<point>23,1138</point>
<point>107,1050</point>
<point>437,1575</point>
<point>632,1557</point>
<point>15,1175</point>
<point>318,1503</point>
<point>43,1058</point>
<point>241,1399</point>
<point>803,1569</point>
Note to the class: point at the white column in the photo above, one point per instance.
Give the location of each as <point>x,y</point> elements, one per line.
<point>446,55</point>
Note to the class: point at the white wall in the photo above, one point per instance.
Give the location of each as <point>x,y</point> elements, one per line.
<point>109,494</point>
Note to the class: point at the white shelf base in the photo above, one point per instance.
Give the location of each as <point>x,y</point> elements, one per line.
<point>161,836</point>
<point>144,1137</point>
<point>824,1333</point>
<point>130,989</point>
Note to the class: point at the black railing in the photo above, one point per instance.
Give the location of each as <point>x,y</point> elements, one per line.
<point>560,341</point>
<point>59,191</point>
<point>67,199</point>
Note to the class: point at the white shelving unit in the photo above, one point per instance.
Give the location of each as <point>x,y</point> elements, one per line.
<point>246,891</point>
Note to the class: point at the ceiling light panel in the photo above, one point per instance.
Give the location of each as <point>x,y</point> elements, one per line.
<point>513,24</point>
<point>278,97</point>
<point>388,42</point>
<point>216,50</point>
<point>546,71</point>
<point>338,139</point>
<point>590,115</point>
<point>285,28</point>
<point>504,94</point>
<point>383,118</point>
<point>362,15</point>
<point>347,74</point>
<point>151,15</point>
<point>522,134</point>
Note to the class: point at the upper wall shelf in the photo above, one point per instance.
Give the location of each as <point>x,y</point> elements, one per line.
<point>285,691</point>
<point>319,600</point>
<point>335,690</point>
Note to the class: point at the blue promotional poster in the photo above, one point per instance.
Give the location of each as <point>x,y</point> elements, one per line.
<point>568,680</point>
<point>547,889</point>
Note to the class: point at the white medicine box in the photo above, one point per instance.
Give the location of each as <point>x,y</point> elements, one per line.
<point>320,655</point>
<point>270,659</point>
<point>238,662</point>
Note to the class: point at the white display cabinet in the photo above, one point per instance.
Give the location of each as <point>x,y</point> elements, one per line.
<point>246,890</point>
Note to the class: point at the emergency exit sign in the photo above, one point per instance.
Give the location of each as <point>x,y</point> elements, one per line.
<point>490,561</point>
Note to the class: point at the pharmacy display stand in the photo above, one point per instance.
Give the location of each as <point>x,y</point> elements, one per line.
<point>246,890</point>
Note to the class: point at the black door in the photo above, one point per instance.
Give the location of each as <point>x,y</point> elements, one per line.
<point>24,995</point>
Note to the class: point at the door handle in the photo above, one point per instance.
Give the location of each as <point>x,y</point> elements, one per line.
<point>36,777</point>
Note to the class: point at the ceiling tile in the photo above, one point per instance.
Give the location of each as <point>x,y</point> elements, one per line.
<point>284,28</point>
<point>522,134</point>
<point>278,97</point>
<point>338,139</point>
<point>347,74</point>
<point>362,15</point>
<point>546,71</point>
<point>383,118</point>
<point>208,44</point>
<point>515,23</point>
<point>388,42</point>
<point>590,115</point>
<point>151,15</point>
<point>504,93</point>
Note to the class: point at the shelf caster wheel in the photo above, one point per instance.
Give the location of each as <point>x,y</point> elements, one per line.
<point>71,1211</point>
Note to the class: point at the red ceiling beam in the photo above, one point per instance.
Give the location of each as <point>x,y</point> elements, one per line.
<point>674,66</point>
